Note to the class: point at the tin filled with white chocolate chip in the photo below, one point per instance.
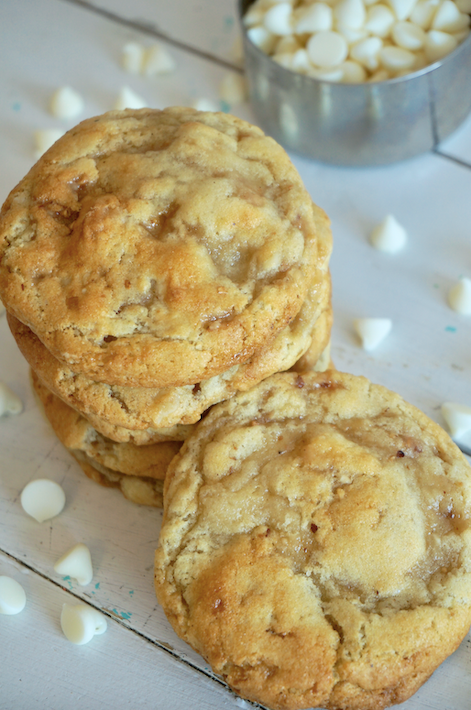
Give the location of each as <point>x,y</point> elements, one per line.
<point>356,82</point>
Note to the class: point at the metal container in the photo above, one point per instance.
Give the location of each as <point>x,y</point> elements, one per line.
<point>359,124</point>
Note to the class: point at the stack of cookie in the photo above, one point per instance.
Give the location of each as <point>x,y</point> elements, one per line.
<point>154,263</point>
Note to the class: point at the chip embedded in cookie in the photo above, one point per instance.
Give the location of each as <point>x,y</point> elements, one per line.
<point>316,543</point>
<point>159,248</point>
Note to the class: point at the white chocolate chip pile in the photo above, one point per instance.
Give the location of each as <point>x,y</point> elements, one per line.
<point>389,236</point>
<point>42,499</point>
<point>80,623</point>
<point>353,41</point>
<point>458,418</point>
<point>459,297</point>
<point>76,563</point>
<point>372,331</point>
<point>12,596</point>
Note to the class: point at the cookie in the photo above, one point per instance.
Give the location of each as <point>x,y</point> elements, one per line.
<point>316,543</point>
<point>159,248</point>
<point>169,409</point>
<point>106,456</point>
<point>138,489</point>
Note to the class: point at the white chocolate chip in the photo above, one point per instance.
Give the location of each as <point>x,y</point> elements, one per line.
<point>380,75</point>
<point>350,13</point>
<point>313,18</point>
<point>448,18</point>
<point>12,596</point>
<point>66,103</point>
<point>423,12</point>
<point>388,236</point>
<point>457,417</point>
<point>204,105</point>
<point>351,35</point>
<point>127,98</point>
<point>395,58</point>
<point>287,44</point>
<point>80,623</point>
<point>233,89</point>
<point>76,563</point>
<point>366,52</point>
<point>42,499</point>
<point>335,74</point>
<point>44,139</point>
<point>327,49</point>
<point>262,38</point>
<point>459,297</point>
<point>301,61</point>
<point>278,19</point>
<point>157,60</point>
<point>253,16</point>
<point>372,331</point>
<point>438,44</point>
<point>133,57</point>
<point>353,73</point>
<point>379,20</point>
<point>408,36</point>
<point>10,403</point>
<point>402,8</point>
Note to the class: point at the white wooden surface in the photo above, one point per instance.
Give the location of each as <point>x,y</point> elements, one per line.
<point>139,662</point>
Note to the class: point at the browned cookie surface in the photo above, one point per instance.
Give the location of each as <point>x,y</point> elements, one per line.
<point>316,543</point>
<point>159,248</point>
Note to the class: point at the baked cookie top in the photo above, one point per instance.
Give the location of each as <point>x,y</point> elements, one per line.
<point>158,248</point>
<point>175,408</point>
<point>316,543</point>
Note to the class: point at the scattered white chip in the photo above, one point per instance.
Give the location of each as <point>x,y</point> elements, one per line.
<point>10,403</point>
<point>12,596</point>
<point>66,103</point>
<point>459,297</point>
<point>80,623</point>
<point>233,89</point>
<point>133,57</point>
<point>43,139</point>
<point>42,499</point>
<point>372,330</point>
<point>157,61</point>
<point>76,563</point>
<point>129,99</point>
<point>204,105</point>
<point>458,418</point>
<point>389,236</point>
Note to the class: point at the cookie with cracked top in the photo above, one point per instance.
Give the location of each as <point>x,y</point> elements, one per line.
<point>159,248</point>
<point>166,414</point>
<point>316,543</point>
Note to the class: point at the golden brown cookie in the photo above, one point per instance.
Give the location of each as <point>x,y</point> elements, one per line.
<point>316,543</point>
<point>111,462</point>
<point>138,489</point>
<point>165,412</point>
<point>159,248</point>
